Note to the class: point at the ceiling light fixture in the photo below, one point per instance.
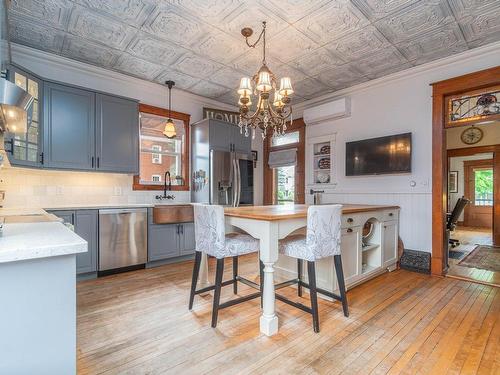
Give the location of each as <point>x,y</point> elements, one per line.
<point>169,131</point>
<point>265,116</point>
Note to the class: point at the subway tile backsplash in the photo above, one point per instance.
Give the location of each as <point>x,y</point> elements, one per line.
<point>45,189</point>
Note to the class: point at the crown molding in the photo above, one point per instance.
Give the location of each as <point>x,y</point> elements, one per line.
<point>24,53</point>
<point>492,49</point>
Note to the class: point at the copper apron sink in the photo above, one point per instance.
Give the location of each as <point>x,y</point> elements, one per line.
<point>171,214</point>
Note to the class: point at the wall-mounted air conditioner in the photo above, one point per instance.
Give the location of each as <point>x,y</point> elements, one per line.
<point>335,109</point>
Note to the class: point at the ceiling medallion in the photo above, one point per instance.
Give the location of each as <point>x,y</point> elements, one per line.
<point>169,131</point>
<point>261,85</point>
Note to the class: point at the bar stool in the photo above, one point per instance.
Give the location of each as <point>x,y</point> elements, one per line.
<point>322,240</point>
<point>211,239</point>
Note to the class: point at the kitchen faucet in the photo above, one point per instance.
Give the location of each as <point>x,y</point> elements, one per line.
<point>165,196</point>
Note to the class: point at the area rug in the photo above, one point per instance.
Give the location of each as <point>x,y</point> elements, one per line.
<point>455,254</point>
<point>483,257</point>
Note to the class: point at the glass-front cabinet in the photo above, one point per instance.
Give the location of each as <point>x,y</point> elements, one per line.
<point>25,148</point>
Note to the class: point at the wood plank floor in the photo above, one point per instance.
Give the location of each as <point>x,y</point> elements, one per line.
<point>400,323</point>
<point>470,237</point>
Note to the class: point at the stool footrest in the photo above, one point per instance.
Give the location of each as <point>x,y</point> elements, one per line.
<point>239,300</point>
<point>294,304</point>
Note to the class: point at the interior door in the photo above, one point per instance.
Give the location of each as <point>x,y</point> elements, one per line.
<point>479,189</point>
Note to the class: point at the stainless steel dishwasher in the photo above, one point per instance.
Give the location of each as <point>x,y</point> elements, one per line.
<point>122,238</point>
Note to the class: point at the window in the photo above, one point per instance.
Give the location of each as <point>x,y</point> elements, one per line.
<point>159,154</point>
<point>285,139</point>
<point>285,185</point>
<point>156,157</point>
<point>483,187</point>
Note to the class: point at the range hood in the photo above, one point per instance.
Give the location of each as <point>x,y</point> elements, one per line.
<point>14,101</point>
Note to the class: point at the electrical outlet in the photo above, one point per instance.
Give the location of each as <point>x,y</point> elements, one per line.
<point>59,190</point>
<point>118,190</point>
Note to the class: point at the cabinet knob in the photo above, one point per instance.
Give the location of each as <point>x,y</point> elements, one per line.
<point>391,214</point>
<point>350,220</point>
<point>349,230</point>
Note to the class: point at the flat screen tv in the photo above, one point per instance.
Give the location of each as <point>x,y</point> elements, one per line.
<point>375,156</point>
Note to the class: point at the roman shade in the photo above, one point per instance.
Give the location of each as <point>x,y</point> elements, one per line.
<point>283,158</point>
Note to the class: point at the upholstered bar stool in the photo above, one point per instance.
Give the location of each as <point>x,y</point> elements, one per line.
<point>322,240</point>
<point>211,239</point>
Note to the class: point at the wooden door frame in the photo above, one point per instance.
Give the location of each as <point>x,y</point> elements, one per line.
<point>300,189</point>
<point>468,164</point>
<point>440,90</point>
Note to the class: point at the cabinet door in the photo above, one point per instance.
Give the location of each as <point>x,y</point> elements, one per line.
<point>351,254</point>
<point>26,149</point>
<point>220,135</point>
<point>163,241</point>
<point>69,127</point>
<point>187,239</point>
<point>390,243</point>
<point>117,134</point>
<point>241,143</point>
<point>86,227</point>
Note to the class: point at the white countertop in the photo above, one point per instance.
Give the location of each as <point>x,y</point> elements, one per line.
<point>25,241</point>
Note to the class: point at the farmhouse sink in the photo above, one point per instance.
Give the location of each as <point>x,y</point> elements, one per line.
<point>171,214</point>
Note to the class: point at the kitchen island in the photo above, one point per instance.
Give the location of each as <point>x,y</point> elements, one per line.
<point>37,293</point>
<point>369,246</point>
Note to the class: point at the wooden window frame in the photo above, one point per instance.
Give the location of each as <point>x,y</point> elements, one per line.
<point>441,90</point>
<point>184,117</point>
<point>269,175</point>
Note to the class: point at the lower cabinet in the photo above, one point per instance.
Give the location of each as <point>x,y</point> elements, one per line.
<point>351,262</point>
<point>389,243</point>
<point>170,240</point>
<point>85,223</point>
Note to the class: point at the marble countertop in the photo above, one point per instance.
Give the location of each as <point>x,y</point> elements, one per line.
<point>23,241</point>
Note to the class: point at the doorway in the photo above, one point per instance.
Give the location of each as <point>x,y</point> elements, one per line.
<point>443,92</point>
<point>284,164</point>
<point>478,175</point>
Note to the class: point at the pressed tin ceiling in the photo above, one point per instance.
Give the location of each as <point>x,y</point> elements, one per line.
<point>322,45</point>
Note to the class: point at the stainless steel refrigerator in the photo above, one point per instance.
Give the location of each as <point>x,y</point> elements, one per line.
<point>222,164</point>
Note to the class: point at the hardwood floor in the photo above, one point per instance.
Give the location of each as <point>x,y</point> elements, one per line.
<point>469,237</point>
<point>400,322</point>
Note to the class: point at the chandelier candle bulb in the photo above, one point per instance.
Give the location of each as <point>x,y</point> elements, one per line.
<point>264,82</point>
<point>277,99</point>
<point>286,86</point>
<point>245,87</point>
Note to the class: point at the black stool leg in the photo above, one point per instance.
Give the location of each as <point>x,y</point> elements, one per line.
<point>299,276</point>
<point>218,285</point>
<point>235,275</point>
<point>194,280</point>
<point>340,278</point>
<point>311,272</point>
<point>261,268</point>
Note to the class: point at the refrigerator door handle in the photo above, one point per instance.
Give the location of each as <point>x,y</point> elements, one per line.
<point>237,163</point>
<point>211,179</point>
<point>235,184</point>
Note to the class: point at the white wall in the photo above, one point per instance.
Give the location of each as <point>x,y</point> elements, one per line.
<point>457,164</point>
<point>396,104</point>
<point>40,188</point>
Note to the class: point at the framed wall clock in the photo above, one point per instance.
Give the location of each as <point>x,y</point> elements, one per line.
<point>472,135</point>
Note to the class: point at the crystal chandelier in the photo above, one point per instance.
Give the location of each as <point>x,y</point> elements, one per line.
<point>270,116</point>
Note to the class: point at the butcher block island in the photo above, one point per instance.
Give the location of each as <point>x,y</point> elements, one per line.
<point>369,244</point>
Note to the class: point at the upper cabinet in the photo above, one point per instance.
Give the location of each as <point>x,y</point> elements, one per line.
<point>241,143</point>
<point>75,129</point>
<point>25,149</point>
<point>117,134</point>
<point>225,136</point>
<point>69,127</point>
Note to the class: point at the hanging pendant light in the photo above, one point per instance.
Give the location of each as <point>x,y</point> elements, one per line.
<point>169,131</point>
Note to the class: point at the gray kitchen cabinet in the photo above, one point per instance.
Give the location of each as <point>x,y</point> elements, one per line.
<point>86,227</point>
<point>163,241</point>
<point>187,242</point>
<point>69,127</point>
<point>240,142</point>
<point>26,149</point>
<point>85,223</point>
<point>220,135</point>
<point>117,134</point>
